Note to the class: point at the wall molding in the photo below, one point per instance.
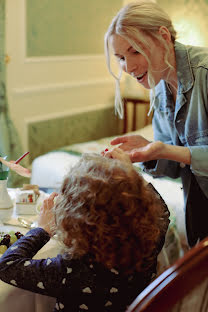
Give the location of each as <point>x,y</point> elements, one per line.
<point>65,58</point>
<point>55,87</point>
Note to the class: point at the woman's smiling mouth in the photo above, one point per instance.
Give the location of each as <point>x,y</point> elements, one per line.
<point>141,77</point>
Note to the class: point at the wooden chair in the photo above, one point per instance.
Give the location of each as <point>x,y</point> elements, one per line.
<point>133,123</point>
<point>183,287</point>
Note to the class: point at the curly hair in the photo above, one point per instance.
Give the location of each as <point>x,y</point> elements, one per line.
<point>106,210</point>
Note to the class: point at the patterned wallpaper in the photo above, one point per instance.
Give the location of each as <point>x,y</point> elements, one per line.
<point>65,27</point>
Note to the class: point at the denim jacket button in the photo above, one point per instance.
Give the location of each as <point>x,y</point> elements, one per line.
<point>182,165</point>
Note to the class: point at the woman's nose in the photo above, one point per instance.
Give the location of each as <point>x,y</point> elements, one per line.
<point>130,66</point>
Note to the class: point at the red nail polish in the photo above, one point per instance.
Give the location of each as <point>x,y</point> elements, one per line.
<point>106,150</point>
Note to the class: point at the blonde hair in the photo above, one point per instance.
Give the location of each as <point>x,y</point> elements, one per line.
<point>105,210</point>
<point>137,21</point>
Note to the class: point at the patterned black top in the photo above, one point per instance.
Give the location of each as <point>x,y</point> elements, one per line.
<point>77,284</point>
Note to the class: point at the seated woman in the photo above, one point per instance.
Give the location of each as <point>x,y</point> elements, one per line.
<point>112,226</point>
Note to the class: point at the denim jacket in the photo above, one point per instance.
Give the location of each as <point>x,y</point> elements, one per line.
<point>186,122</point>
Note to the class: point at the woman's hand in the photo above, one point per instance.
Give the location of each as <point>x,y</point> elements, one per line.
<point>46,218</point>
<point>130,142</point>
<point>138,148</point>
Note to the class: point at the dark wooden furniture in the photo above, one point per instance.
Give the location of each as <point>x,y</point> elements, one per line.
<point>135,102</point>
<point>175,284</point>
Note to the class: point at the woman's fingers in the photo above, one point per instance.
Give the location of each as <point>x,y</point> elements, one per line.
<point>136,148</point>
<point>119,140</point>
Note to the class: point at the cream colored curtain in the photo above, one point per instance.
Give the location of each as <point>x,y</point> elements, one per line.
<point>9,141</point>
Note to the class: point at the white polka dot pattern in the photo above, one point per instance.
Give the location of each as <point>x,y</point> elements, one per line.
<point>87,290</point>
<point>13,282</point>
<point>83,307</point>
<point>48,262</point>
<point>13,248</point>
<point>27,263</point>
<point>69,270</point>
<point>113,290</point>
<point>40,285</point>
<point>58,276</point>
<point>114,271</point>
<point>61,305</point>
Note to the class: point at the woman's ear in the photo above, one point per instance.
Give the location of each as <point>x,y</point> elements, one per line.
<point>164,32</point>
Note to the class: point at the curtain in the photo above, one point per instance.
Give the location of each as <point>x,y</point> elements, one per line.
<point>10,144</point>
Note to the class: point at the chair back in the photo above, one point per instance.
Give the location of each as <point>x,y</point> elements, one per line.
<point>182,287</point>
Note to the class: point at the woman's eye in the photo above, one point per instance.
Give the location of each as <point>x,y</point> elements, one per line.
<point>121,59</point>
<point>135,52</point>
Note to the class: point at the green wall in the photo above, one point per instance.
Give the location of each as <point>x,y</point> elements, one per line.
<point>77,27</point>
<point>67,27</point>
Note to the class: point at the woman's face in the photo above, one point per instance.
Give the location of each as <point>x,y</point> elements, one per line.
<point>135,64</point>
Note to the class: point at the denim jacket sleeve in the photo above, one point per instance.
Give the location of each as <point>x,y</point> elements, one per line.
<point>161,167</point>
<point>192,112</point>
<point>198,142</point>
<point>199,160</point>
<point>199,155</point>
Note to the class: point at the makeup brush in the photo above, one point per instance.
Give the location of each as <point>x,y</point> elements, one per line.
<point>21,157</point>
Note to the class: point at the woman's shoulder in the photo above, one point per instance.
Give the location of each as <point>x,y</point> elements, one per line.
<point>198,56</point>
<point>189,55</point>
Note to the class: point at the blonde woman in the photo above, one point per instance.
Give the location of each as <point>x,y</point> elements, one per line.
<point>143,40</point>
<point>112,226</point>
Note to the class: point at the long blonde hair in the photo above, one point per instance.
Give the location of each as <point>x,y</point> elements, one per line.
<point>137,21</point>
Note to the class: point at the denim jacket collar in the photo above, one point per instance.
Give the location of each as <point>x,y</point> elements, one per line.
<point>184,71</point>
<point>185,80</point>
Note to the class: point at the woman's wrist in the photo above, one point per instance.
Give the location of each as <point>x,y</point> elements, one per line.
<point>177,153</point>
